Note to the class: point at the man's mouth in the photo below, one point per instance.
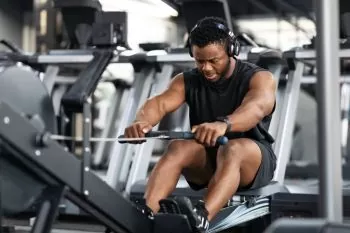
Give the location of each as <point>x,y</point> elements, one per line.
<point>210,76</point>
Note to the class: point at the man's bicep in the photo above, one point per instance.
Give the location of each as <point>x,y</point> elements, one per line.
<point>262,90</point>
<point>174,96</point>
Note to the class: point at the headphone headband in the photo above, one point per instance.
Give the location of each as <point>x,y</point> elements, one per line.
<point>233,47</point>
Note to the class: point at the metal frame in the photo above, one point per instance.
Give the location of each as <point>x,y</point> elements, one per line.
<point>329,129</point>
<point>78,100</point>
<point>87,157</point>
<point>48,209</point>
<point>120,158</point>
<point>296,78</point>
<point>143,152</point>
<point>110,128</point>
<point>283,143</point>
<point>48,162</point>
<point>174,58</point>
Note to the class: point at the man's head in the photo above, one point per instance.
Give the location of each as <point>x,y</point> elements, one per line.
<point>211,45</point>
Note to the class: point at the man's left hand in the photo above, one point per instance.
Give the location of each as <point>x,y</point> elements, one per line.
<point>208,133</point>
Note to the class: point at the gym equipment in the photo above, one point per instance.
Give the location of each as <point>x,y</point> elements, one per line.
<point>76,182</point>
<point>32,174</point>
<point>92,27</point>
<point>89,63</point>
<point>302,201</point>
<point>185,60</point>
<point>78,28</point>
<point>330,197</point>
<point>247,205</point>
<point>150,78</point>
<point>222,140</point>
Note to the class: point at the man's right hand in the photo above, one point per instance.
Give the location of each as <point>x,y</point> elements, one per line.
<point>137,129</point>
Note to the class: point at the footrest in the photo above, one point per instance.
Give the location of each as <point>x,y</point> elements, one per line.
<point>169,206</point>
<point>234,215</point>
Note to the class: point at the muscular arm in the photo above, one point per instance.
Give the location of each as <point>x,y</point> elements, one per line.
<point>258,102</point>
<point>155,108</point>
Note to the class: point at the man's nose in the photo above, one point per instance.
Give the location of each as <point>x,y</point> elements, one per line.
<point>206,67</point>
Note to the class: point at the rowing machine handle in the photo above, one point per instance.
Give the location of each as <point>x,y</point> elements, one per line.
<point>222,140</point>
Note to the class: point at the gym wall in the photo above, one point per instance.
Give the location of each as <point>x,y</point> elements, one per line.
<point>11,19</point>
<point>147,23</point>
<point>279,34</point>
<point>143,29</point>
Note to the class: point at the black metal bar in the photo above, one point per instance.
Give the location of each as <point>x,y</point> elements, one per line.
<point>52,160</point>
<point>49,209</point>
<point>73,100</point>
<point>86,145</point>
<point>112,225</point>
<point>1,190</point>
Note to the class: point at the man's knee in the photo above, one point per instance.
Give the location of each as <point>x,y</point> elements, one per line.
<point>182,150</point>
<point>240,151</point>
<point>177,146</point>
<point>232,150</point>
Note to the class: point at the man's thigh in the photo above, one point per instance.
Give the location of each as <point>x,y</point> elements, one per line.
<point>201,163</point>
<point>256,161</point>
<point>267,167</point>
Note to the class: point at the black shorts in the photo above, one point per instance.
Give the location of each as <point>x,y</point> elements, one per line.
<point>265,172</point>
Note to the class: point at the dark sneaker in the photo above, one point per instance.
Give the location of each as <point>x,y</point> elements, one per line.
<point>141,206</point>
<point>197,215</point>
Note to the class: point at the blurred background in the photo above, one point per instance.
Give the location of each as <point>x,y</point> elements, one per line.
<point>55,40</point>
<point>281,24</point>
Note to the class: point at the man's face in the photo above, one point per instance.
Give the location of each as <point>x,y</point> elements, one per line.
<point>211,60</point>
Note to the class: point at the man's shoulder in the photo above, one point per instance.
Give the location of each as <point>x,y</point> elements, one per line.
<point>248,68</point>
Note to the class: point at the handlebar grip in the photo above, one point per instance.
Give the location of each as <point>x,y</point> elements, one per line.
<point>222,140</point>
<point>156,133</point>
<point>169,135</point>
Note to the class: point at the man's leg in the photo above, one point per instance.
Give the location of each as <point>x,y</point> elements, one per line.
<point>237,165</point>
<point>182,156</point>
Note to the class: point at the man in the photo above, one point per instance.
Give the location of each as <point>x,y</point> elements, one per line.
<point>226,96</point>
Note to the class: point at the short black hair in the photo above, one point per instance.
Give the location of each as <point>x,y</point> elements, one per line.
<point>206,32</point>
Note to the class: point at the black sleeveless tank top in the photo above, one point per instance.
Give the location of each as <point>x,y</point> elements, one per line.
<point>207,101</point>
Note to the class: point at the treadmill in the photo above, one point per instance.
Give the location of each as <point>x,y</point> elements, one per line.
<point>332,212</point>
<point>301,200</point>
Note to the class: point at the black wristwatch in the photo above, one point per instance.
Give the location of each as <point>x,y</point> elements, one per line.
<point>227,121</point>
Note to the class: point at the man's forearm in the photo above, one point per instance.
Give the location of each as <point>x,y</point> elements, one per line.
<point>246,117</point>
<point>150,112</point>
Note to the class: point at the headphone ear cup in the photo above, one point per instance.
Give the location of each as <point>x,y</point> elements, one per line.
<point>230,49</point>
<point>237,48</point>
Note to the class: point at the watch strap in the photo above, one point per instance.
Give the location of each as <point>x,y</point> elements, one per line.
<point>226,120</point>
